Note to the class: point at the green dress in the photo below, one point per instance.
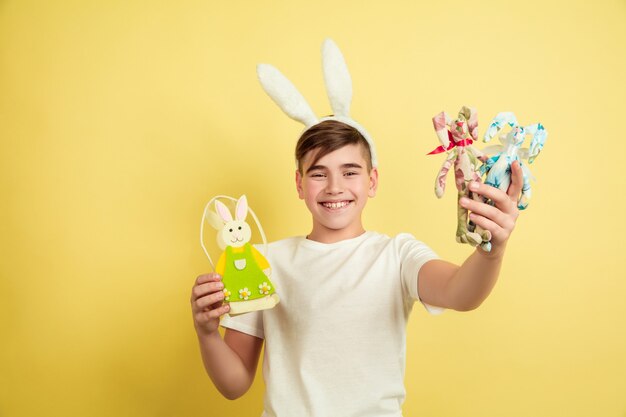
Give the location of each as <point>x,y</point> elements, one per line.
<point>243,277</point>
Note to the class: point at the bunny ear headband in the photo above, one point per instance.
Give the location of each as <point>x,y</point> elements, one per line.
<point>218,218</point>
<point>338,87</point>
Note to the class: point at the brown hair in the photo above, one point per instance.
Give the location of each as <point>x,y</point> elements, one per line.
<point>328,136</point>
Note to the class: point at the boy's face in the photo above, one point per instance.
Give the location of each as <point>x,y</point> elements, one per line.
<point>335,191</point>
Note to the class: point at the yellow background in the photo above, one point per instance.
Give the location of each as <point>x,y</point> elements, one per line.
<point>120,119</point>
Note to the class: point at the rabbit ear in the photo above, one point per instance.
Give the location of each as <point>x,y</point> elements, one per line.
<point>214,220</point>
<point>440,123</point>
<point>223,211</point>
<point>285,95</point>
<point>337,79</point>
<point>471,115</point>
<point>241,211</point>
<point>498,123</point>
<point>540,135</point>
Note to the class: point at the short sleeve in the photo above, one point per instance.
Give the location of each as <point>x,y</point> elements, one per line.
<point>413,255</point>
<point>248,323</point>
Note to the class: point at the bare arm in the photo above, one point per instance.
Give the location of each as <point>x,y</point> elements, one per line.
<point>465,287</point>
<point>461,288</point>
<point>230,362</point>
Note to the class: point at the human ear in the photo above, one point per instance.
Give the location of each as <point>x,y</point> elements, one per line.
<point>299,184</point>
<point>373,182</point>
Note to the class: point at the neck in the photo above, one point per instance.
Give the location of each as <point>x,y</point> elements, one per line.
<point>326,235</point>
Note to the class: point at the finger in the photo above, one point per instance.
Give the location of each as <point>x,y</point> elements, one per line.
<point>487,224</point>
<point>499,197</point>
<point>212,276</point>
<point>209,300</point>
<point>494,214</point>
<point>517,181</point>
<point>483,209</point>
<point>217,305</point>
<point>218,312</point>
<point>201,290</point>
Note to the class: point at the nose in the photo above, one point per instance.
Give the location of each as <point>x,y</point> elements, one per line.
<point>334,185</point>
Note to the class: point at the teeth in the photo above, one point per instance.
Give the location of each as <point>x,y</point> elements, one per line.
<point>336,205</point>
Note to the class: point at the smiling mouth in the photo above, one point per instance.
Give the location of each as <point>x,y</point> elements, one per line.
<point>335,205</point>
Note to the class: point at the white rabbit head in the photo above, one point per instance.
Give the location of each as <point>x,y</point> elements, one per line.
<point>518,134</point>
<point>234,232</point>
<point>515,137</point>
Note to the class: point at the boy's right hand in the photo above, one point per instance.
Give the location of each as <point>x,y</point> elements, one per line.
<point>207,303</point>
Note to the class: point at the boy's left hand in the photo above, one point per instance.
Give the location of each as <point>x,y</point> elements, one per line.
<point>499,219</point>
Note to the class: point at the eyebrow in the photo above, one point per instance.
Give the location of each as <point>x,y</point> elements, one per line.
<point>323,167</point>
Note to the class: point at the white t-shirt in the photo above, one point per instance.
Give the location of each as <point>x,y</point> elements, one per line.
<point>335,345</point>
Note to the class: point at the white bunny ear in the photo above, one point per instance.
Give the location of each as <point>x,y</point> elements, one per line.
<point>241,211</point>
<point>285,95</point>
<point>337,79</point>
<point>214,220</point>
<point>223,211</point>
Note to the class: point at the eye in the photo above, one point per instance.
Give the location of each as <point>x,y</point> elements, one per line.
<point>230,230</point>
<point>239,227</point>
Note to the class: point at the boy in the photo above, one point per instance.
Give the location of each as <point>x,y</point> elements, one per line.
<point>335,344</point>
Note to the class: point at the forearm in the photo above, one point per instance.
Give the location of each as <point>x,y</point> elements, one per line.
<point>472,283</point>
<point>224,366</point>
<point>464,288</point>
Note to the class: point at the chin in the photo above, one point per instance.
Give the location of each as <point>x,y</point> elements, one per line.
<point>338,226</point>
